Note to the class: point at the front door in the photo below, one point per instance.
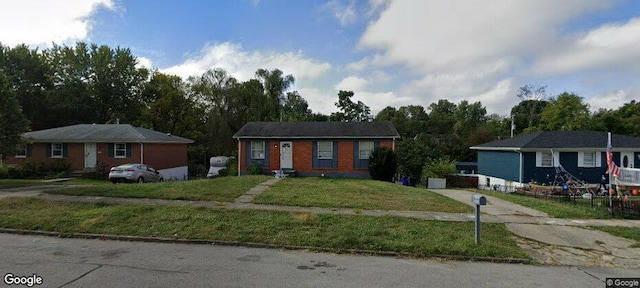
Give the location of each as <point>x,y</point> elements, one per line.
<point>626,159</point>
<point>286,155</point>
<point>90,159</point>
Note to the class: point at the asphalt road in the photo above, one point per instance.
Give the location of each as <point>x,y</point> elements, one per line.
<point>99,263</point>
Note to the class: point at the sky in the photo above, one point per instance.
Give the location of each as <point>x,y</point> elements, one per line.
<point>389,52</point>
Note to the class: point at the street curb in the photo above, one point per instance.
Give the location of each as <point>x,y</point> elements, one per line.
<point>260,245</point>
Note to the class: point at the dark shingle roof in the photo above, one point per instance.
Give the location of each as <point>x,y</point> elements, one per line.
<point>562,140</point>
<point>101,133</point>
<point>383,129</point>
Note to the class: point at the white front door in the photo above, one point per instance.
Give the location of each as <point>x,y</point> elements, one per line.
<point>90,159</point>
<point>286,155</point>
<point>626,159</point>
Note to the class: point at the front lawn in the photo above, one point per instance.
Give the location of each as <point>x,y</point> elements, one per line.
<point>554,207</point>
<point>18,183</point>
<point>217,189</point>
<point>357,193</point>
<point>335,232</point>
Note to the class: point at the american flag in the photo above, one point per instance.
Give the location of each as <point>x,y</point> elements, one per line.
<point>612,168</point>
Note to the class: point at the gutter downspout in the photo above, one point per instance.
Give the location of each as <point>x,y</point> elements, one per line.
<point>141,153</point>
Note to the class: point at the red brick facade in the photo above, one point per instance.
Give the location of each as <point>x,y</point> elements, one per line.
<point>157,155</point>
<point>303,157</point>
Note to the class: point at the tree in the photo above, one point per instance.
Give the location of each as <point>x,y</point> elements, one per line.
<point>567,112</point>
<point>29,77</point>
<point>533,100</point>
<point>350,111</point>
<point>468,118</point>
<point>12,122</point>
<point>441,117</point>
<point>295,108</point>
<point>382,164</point>
<point>169,108</point>
<point>275,85</point>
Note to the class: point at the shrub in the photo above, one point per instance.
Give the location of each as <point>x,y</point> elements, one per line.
<point>437,168</point>
<point>255,168</point>
<point>383,164</point>
<point>232,168</point>
<point>9,172</point>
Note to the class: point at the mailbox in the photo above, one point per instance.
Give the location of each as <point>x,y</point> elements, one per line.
<point>479,199</point>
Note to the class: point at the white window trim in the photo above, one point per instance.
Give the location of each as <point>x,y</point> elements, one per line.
<point>554,159</point>
<point>261,149</point>
<point>20,150</point>
<point>330,150</point>
<point>115,150</point>
<point>598,160</point>
<point>360,150</point>
<point>61,150</point>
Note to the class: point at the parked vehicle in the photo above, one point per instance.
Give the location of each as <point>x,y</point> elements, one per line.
<point>139,173</point>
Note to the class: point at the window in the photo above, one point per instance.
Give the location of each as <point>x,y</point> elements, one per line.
<point>366,148</point>
<point>325,149</point>
<point>120,150</point>
<point>22,151</point>
<point>545,159</point>
<point>257,149</point>
<point>56,150</point>
<point>589,159</point>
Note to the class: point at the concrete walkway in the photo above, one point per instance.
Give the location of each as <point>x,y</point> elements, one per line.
<point>548,240</point>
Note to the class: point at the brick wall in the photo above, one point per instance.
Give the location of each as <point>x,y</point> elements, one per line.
<point>160,156</point>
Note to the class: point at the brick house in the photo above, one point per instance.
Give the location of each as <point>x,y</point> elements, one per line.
<point>338,149</point>
<point>87,146</point>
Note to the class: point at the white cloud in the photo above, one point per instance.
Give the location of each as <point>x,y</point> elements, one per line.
<point>41,22</point>
<point>351,83</point>
<point>609,46</point>
<point>144,62</point>
<point>345,13</point>
<point>318,100</point>
<point>613,99</point>
<point>243,64</point>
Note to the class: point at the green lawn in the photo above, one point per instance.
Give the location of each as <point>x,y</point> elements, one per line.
<point>335,232</point>
<point>554,207</point>
<point>218,189</point>
<point>17,183</point>
<point>357,193</point>
<point>626,232</point>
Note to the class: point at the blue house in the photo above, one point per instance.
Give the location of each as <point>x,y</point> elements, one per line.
<point>534,157</point>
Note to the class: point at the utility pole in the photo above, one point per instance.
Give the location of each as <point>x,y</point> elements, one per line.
<point>513,126</point>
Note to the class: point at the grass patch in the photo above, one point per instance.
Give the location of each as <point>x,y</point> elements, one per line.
<point>555,208</point>
<point>626,232</point>
<point>337,232</point>
<point>218,189</point>
<point>357,193</point>
<point>18,183</point>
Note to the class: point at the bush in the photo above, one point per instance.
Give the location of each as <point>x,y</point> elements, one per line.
<point>383,164</point>
<point>255,168</point>
<point>9,172</point>
<point>232,168</point>
<point>437,168</point>
<point>101,172</point>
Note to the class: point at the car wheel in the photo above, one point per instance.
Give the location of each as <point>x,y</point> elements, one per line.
<point>140,180</point>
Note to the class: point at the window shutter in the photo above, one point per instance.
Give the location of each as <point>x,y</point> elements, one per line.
<point>110,148</point>
<point>65,150</point>
<point>598,159</point>
<point>128,145</point>
<point>48,148</point>
<point>334,163</point>
<point>556,159</point>
<point>28,148</point>
<point>538,159</point>
<point>376,145</point>
<point>580,159</point>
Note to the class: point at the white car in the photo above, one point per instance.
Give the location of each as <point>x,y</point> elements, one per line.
<point>139,173</point>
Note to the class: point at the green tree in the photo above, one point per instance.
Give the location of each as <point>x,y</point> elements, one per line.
<point>441,117</point>
<point>12,122</point>
<point>468,118</point>
<point>566,112</point>
<point>527,114</point>
<point>350,111</point>
<point>29,77</point>
<point>275,85</point>
<point>295,108</point>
